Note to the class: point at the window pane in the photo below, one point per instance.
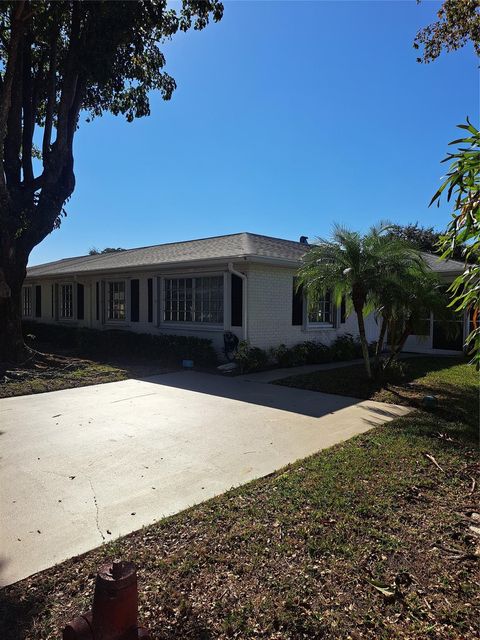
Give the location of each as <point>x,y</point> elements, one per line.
<point>27,301</point>
<point>66,301</point>
<point>320,311</point>
<point>194,299</point>
<point>116,300</point>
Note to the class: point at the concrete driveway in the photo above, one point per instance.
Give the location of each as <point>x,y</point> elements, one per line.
<point>82,466</point>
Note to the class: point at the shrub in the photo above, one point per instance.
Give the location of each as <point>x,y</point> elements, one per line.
<point>316,352</point>
<point>250,358</point>
<point>307,352</point>
<point>287,357</point>
<point>345,347</point>
<point>92,342</point>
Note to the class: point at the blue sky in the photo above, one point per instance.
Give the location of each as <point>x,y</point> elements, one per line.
<point>288,116</point>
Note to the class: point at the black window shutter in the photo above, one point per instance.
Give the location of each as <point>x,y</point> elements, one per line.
<point>97,301</point>
<point>343,310</point>
<point>134,300</point>
<point>150,299</point>
<point>80,301</point>
<point>297,304</point>
<point>237,300</point>
<point>38,301</point>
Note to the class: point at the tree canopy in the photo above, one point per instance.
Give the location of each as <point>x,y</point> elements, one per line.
<point>98,252</point>
<point>357,266</point>
<point>58,59</point>
<point>458,23</point>
<point>462,186</point>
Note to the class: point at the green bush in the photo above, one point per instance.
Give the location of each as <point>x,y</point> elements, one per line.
<point>92,342</point>
<point>250,358</point>
<point>345,347</point>
<point>287,357</point>
<point>315,352</point>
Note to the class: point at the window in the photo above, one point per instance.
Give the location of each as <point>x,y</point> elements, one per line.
<point>321,311</point>
<point>66,301</point>
<point>422,327</point>
<point>27,301</point>
<point>116,301</point>
<point>194,300</point>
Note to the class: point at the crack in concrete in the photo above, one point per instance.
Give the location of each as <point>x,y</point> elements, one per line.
<point>96,509</point>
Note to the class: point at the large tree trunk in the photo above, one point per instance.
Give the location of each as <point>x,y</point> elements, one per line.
<point>12,347</point>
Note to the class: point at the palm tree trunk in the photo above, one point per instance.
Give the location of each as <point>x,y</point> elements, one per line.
<point>363,338</point>
<point>396,350</point>
<point>381,339</point>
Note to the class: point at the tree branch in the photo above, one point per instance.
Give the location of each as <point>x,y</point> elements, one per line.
<point>70,80</point>
<point>51,95</point>
<point>28,118</point>
<point>13,138</point>
<point>5,98</point>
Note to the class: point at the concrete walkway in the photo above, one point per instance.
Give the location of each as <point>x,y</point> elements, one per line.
<point>83,466</point>
<point>286,372</point>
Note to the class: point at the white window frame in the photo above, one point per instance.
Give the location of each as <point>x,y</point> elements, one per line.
<point>27,305</point>
<point>108,285</point>
<point>198,325</point>
<point>312,324</point>
<point>61,305</point>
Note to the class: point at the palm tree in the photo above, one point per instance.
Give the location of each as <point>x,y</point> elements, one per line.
<point>405,303</point>
<point>356,266</point>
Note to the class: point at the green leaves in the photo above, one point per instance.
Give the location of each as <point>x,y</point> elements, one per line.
<point>463,182</point>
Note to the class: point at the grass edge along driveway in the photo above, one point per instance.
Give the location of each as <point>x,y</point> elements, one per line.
<point>376,537</point>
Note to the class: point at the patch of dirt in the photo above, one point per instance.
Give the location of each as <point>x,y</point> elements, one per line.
<point>63,370</point>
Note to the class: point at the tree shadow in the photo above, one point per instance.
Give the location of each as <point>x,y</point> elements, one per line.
<point>18,609</point>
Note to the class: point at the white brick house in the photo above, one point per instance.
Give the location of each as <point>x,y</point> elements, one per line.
<point>243,283</point>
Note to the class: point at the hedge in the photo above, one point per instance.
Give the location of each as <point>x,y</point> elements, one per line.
<point>123,343</point>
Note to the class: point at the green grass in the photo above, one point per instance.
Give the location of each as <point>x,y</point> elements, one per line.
<point>78,373</point>
<point>451,380</point>
<point>298,554</point>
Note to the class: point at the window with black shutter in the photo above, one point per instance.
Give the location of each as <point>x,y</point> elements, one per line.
<point>134,300</point>
<point>38,301</point>
<point>237,300</point>
<point>297,304</point>
<point>150,299</point>
<point>97,301</point>
<point>80,301</point>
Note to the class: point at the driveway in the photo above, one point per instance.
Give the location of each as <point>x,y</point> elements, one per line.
<point>82,466</point>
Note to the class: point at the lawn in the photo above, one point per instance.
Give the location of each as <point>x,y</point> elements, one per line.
<point>449,379</point>
<point>375,538</point>
<point>53,370</point>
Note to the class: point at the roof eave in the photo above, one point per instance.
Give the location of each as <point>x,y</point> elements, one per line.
<point>168,266</point>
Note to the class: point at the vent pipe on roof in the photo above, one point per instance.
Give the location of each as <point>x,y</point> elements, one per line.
<point>303,240</point>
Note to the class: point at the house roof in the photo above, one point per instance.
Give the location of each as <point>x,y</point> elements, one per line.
<point>229,247</point>
<point>442,266</point>
<point>237,246</point>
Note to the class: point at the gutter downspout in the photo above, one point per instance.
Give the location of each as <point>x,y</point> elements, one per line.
<point>244,297</point>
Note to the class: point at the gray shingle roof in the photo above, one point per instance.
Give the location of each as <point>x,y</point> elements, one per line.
<point>229,247</point>
<point>442,266</point>
<point>234,246</point>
